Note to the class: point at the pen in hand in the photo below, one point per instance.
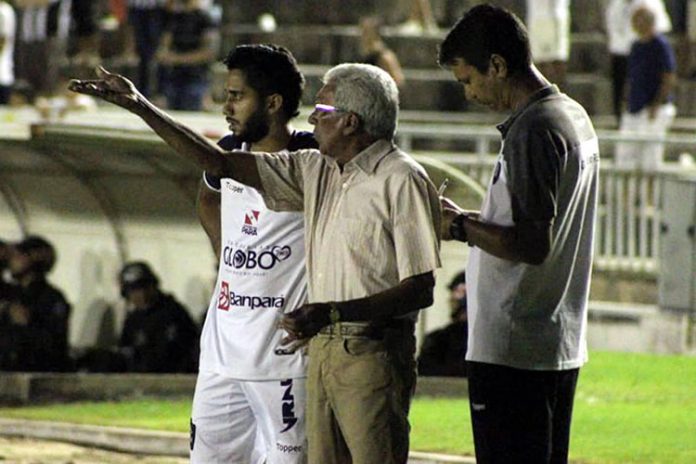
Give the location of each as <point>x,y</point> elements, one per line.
<point>442,188</point>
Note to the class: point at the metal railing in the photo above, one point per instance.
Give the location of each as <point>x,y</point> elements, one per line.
<point>629,210</point>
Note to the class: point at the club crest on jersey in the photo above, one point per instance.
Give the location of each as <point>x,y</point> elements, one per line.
<point>251,220</point>
<point>288,406</point>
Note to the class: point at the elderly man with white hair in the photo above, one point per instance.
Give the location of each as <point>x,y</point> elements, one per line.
<point>372,218</point>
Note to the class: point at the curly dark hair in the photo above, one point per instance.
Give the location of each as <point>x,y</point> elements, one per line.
<point>269,69</point>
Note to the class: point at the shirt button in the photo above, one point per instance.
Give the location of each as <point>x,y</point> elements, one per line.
<point>345,185</point>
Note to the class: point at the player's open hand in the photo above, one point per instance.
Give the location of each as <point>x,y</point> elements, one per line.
<point>110,87</point>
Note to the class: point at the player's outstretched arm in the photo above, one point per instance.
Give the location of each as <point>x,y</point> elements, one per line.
<point>120,91</point>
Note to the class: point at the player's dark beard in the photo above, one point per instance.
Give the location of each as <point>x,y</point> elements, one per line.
<point>256,127</point>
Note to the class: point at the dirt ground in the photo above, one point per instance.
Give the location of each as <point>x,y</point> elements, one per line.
<point>29,451</point>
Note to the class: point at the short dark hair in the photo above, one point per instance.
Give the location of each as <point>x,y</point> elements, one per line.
<point>269,69</point>
<point>483,31</point>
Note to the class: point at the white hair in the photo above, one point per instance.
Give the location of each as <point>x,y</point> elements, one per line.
<point>369,92</point>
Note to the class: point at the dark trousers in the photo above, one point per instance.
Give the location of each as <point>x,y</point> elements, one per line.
<point>619,70</point>
<point>185,91</point>
<point>5,92</point>
<point>148,26</point>
<point>520,416</point>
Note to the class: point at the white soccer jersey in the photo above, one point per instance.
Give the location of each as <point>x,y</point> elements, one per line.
<point>261,276</point>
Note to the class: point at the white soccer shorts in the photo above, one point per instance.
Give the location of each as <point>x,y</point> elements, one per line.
<point>248,422</point>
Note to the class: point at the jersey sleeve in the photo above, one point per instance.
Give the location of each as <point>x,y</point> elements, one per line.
<point>533,176</point>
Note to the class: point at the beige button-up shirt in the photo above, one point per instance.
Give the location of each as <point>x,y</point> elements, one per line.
<point>366,228</point>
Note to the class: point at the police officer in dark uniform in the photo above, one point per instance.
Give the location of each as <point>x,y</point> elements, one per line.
<point>8,296</point>
<point>158,334</point>
<point>38,313</point>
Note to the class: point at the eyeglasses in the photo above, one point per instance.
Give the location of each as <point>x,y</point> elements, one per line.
<point>322,108</point>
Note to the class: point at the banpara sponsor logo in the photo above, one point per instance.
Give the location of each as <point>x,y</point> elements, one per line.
<point>229,300</point>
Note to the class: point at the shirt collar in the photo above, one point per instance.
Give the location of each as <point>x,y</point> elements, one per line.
<point>368,159</point>
<point>544,92</point>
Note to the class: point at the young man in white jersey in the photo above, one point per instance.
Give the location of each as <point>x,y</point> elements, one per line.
<point>249,401</point>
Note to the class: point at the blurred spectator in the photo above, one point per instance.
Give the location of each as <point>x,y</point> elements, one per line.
<point>444,350</point>
<point>420,18</point>
<point>188,48</point>
<point>683,13</point>
<point>37,314</point>
<point>375,51</point>
<point>548,24</point>
<point>146,20</point>
<point>86,32</point>
<point>620,37</point>
<point>158,334</point>
<point>7,290</point>
<point>651,81</point>
<point>40,45</point>
<point>8,26</point>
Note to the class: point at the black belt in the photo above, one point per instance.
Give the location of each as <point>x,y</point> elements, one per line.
<point>358,329</point>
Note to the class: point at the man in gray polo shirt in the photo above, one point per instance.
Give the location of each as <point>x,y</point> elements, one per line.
<point>372,219</point>
<point>531,245</point>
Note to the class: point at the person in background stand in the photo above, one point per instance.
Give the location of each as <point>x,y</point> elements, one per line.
<point>146,20</point>
<point>188,47</point>
<point>8,26</point>
<point>620,37</point>
<point>444,350</point>
<point>158,334</point>
<point>651,81</point>
<point>548,22</point>
<point>375,51</point>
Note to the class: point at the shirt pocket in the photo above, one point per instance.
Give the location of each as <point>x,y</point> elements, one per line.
<point>362,236</point>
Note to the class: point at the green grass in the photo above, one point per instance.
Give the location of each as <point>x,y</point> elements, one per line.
<point>629,408</point>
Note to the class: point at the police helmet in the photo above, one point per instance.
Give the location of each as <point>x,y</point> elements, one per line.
<point>40,252</point>
<point>136,274</point>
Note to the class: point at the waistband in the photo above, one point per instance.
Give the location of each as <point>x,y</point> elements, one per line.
<point>367,330</point>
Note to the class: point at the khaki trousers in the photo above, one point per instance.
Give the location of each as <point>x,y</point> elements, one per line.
<point>359,392</point>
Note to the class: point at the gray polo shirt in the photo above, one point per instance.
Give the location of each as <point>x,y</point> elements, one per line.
<point>521,315</point>
<point>367,227</point>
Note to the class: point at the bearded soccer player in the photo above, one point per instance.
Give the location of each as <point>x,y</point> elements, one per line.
<point>249,399</point>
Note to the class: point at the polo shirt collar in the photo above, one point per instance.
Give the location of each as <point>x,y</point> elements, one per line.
<point>538,95</point>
